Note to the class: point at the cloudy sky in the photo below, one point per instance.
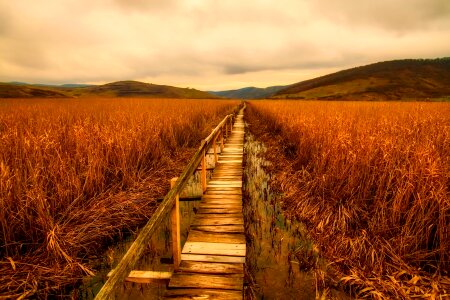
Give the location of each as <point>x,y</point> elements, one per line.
<point>209,44</point>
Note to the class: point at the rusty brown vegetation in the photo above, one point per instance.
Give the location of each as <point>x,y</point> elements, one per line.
<point>371,182</point>
<point>76,173</point>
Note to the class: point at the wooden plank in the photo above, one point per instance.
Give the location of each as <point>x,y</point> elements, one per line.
<point>220,228</point>
<point>237,204</point>
<point>138,276</point>
<point>218,221</point>
<point>211,268</point>
<point>213,237</point>
<point>215,203</point>
<point>219,210</point>
<point>227,249</point>
<point>226,182</point>
<point>213,258</point>
<point>190,294</point>
<point>221,197</point>
<point>218,216</point>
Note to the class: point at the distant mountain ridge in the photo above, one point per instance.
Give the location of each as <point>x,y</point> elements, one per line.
<point>114,89</point>
<point>249,92</point>
<point>390,80</point>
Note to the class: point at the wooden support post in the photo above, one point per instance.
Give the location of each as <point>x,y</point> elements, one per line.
<point>226,129</point>
<point>175,226</point>
<point>221,142</point>
<point>216,158</point>
<point>204,171</point>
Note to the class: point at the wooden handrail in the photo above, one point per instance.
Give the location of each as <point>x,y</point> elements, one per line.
<point>118,274</point>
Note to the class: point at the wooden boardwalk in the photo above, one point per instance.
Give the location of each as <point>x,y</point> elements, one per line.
<point>213,257</point>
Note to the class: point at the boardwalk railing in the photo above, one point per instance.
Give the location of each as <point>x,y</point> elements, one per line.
<point>134,253</point>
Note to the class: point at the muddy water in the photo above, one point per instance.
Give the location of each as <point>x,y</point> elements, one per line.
<point>273,270</point>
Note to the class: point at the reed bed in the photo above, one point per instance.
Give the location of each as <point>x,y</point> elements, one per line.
<point>74,174</point>
<point>371,181</point>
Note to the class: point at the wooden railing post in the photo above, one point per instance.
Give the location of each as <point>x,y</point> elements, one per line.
<point>226,129</point>
<point>204,171</point>
<point>216,158</point>
<point>221,141</point>
<point>175,226</point>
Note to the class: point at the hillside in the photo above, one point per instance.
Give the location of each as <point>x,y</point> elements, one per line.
<point>249,92</point>
<point>391,80</point>
<point>114,89</point>
<point>11,90</point>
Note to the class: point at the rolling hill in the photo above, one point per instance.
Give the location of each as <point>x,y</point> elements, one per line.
<point>114,89</point>
<point>249,92</point>
<point>390,80</point>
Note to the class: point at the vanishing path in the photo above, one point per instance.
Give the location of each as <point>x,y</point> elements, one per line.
<point>213,257</point>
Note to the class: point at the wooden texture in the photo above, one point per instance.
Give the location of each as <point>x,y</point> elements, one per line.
<point>211,268</point>
<point>189,294</point>
<point>146,276</point>
<point>175,228</point>
<point>213,256</point>
<point>137,248</point>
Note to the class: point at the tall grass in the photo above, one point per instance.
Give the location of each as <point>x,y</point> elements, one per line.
<point>74,173</point>
<point>372,182</point>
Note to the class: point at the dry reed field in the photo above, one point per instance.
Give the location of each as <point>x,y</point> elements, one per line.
<point>75,173</point>
<point>371,181</point>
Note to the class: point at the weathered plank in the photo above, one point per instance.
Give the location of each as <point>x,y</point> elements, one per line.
<point>218,221</point>
<point>227,249</point>
<point>218,216</point>
<point>211,267</point>
<point>230,204</point>
<point>224,282</point>
<point>212,196</point>
<point>213,237</point>
<point>190,294</point>
<point>213,258</point>
<point>146,276</point>
<point>234,228</point>
<point>219,210</point>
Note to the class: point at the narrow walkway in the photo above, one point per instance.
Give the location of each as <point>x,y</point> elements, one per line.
<point>213,257</point>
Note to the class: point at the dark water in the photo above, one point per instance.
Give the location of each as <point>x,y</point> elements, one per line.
<point>273,269</point>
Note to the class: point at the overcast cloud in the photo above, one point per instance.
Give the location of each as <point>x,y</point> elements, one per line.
<point>209,44</point>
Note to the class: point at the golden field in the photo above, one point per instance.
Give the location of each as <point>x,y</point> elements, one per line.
<point>370,180</point>
<point>76,173</point>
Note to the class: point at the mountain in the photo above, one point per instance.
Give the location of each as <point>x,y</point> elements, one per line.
<point>390,80</point>
<point>114,89</point>
<point>249,92</point>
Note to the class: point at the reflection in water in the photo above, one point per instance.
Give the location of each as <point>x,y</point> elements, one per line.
<point>272,241</point>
